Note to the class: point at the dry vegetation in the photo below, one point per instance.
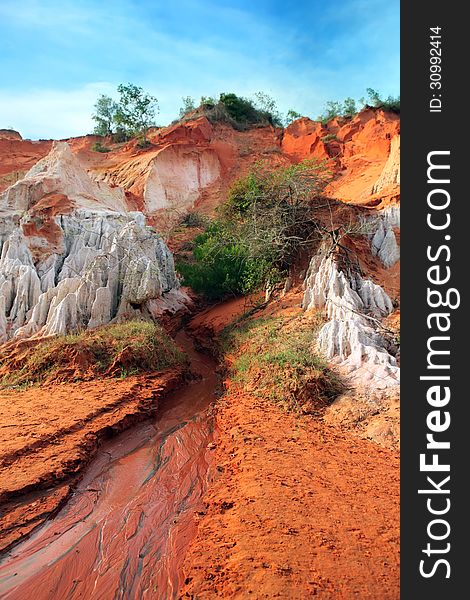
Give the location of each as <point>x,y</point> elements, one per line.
<point>116,350</point>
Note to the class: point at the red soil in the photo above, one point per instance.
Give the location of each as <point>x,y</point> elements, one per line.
<point>127,525</point>
<point>358,149</point>
<point>211,321</point>
<point>49,433</point>
<point>298,508</point>
<point>17,156</point>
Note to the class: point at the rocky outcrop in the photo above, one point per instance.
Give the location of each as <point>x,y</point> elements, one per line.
<point>363,152</point>
<point>84,268</point>
<point>390,176</point>
<point>61,172</point>
<point>208,156</point>
<point>383,234</point>
<point>112,266</point>
<point>305,138</point>
<point>177,177</point>
<point>10,134</point>
<point>190,164</point>
<point>17,156</point>
<point>354,307</point>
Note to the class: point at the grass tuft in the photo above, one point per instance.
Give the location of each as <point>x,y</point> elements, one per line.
<point>117,350</point>
<point>275,358</point>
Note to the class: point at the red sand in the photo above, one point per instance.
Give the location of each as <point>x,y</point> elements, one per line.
<point>49,433</point>
<point>298,508</point>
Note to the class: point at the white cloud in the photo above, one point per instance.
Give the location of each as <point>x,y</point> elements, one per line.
<point>228,50</point>
<point>51,113</point>
<point>56,114</point>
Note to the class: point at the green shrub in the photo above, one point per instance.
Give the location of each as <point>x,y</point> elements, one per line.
<point>242,113</point>
<point>292,115</point>
<point>390,103</point>
<point>333,110</point>
<point>348,108</point>
<point>195,219</point>
<point>266,105</point>
<point>266,219</point>
<point>220,265</point>
<point>98,147</point>
<point>208,102</point>
<point>188,106</point>
<point>120,136</point>
<point>239,109</point>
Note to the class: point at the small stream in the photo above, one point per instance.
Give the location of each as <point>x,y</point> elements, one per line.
<point>124,532</point>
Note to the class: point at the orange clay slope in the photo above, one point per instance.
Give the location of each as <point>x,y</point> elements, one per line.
<point>298,508</point>
<point>191,164</point>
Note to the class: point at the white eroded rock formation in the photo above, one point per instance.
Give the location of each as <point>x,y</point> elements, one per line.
<point>382,235</point>
<point>80,269</point>
<point>354,306</point>
<point>61,172</point>
<point>177,177</point>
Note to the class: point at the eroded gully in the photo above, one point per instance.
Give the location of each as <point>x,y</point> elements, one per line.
<point>124,532</point>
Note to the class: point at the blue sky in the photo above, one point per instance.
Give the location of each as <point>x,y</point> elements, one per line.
<point>57,56</point>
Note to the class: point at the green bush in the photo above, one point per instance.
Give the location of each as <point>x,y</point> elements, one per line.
<point>239,109</point>
<point>292,115</point>
<point>98,147</point>
<point>120,136</point>
<point>266,219</point>
<point>220,265</point>
<point>390,103</point>
<point>348,108</point>
<point>332,110</point>
<point>188,106</point>
<point>195,219</point>
<point>242,113</point>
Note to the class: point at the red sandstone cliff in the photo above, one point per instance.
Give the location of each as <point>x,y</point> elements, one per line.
<point>192,164</point>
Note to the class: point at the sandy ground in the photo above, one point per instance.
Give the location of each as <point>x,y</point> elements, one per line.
<point>49,433</point>
<point>126,527</point>
<point>299,508</point>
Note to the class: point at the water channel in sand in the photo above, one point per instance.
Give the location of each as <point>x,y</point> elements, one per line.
<point>125,529</point>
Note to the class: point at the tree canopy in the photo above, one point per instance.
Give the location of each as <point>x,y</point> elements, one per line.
<point>130,116</point>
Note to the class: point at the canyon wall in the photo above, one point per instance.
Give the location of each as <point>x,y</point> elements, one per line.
<point>364,151</point>
<point>76,249</point>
